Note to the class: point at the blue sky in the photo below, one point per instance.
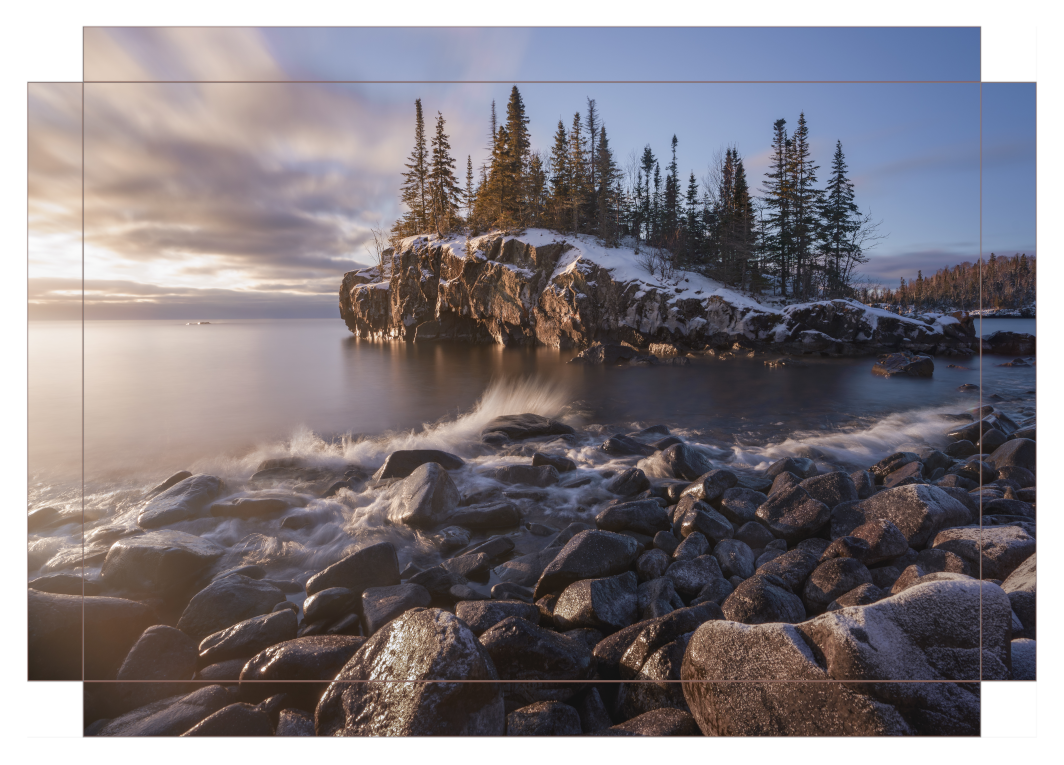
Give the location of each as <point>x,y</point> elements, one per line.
<point>207,199</point>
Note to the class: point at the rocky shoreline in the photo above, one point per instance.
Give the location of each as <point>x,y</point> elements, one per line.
<point>677,608</point>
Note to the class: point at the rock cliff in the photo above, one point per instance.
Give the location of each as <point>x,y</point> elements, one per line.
<point>542,288</point>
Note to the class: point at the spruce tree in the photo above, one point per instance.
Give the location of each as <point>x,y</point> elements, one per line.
<point>608,175</point>
<point>806,200</point>
<point>593,127</point>
<point>647,164</point>
<point>517,155</point>
<point>414,190</point>
<point>559,180</point>
<point>692,229</point>
<point>777,200</point>
<point>671,200</point>
<point>577,171</point>
<point>445,193</point>
<point>743,221</point>
<point>469,188</point>
<point>839,220</point>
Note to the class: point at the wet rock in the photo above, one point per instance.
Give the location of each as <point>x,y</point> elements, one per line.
<point>991,440</point>
<point>425,497</point>
<point>832,579</point>
<point>372,566</point>
<point>913,473</point>
<point>492,515</point>
<point>865,483</point>
<point>975,471</point>
<point>234,720</point>
<point>793,568</point>
<point>642,516</point>
<point>1022,476</point>
<point>694,516</point>
<point>919,512</point>
<point>800,467</point>
<point>711,486</point>
<point>1003,548</point>
<point>163,654</point>
<point>1008,507</point>
<point>651,564</point>
<point>227,602</point>
<point>894,462</point>
<point>295,722</point>
<point>925,633</point>
<point>171,481</point>
<point>223,671</point>
<point>658,722</point>
<point>43,518</point>
<point>452,538</point>
<point>628,482</point>
<point>517,427</point>
<point>657,598</point>
<point>558,462</point>
<point>755,535</point>
<point>766,556</point>
<point>474,566</point>
<point>858,596</point>
<point>740,505</point>
<point>593,714</point>
<point>1021,587</point>
<point>782,482</point>
<point>1011,343</point>
<point>249,507</point>
<point>905,364</point>
<point>847,547</point>
<point>831,488</point>
<point>653,634</point>
<point>286,606</point>
<point>111,626</point>
<point>171,716</point>
<point>666,541</point>
<point>184,501</point>
<point>522,651</point>
<point>588,555</point>
<point>330,604</point>
<point>762,599</point>
<point>542,476</point>
<point>689,577</point>
<point>66,584</point>
<point>382,604</point>
<point>656,685</point>
<point>885,540</point>
<point>606,604</point>
<point>714,592</point>
<point>158,562</point>
<point>961,449</point>
<point>421,645</point>
<point>1018,452</point>
<point>735,558</point>
<point>400,464</point>
<point>680,461</point>
<point>247,638</point>
<point>544,718</point>
<point>482,615</point>
<point>313,658</point>
<point>624,446</point>
<point>793,515</point>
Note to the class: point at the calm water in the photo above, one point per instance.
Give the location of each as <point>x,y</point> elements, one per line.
<point>990,326</point>
<point>162,396</point>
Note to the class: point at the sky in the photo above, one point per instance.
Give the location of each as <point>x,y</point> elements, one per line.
<point>227,174</point>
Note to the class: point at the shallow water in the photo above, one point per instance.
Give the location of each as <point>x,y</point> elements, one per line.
<point>163,396</point>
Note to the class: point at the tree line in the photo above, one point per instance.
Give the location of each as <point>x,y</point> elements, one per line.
<point>797,239</point>
<point>1006,283</point>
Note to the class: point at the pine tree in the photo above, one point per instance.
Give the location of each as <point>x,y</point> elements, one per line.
<point>692,229</point>
<point>607,194</point>
<point>806,199</point>
<point>445,193</point>
<point>577,170</point>
<point>647,164</point>
<point>777,200</point>
<point>593,127</point>
<point>839,220</point>
<point>516,157</point>
<point>559,180</point>
<point>469,188</point>
<point>671,200</point>
<point>655,208</point>
<point>414,189</point>
<point>537,184</point>
<point>743,217</point>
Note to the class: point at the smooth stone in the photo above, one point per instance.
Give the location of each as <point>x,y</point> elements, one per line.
<point>226,602</point>
<point>689,577</point>
<point>558,462</point>
<point>832,579</point>
<point>1024,656</point>
<point>171,716</point>
<point>607,604</point>
<point>234,720</point>
<point>523,651</point>
<point>858,596</point>
<point>761,599</point>
<point>793,515</point>
<point>642,516</point>
<point>885,541</point>
<point>740,505</point>
<point>171,481</point>
<point>380,605</point>
<point>66,584</point>
<point>492,515</point>
<point>330,604</point>
<point>590,554</point>
<point>711,486</point>
<point>400,464</point>
<point>658,722</point>
<point>680,461</point>
<point>831,488</point>
<point>919,512</point>
<point>373,566</point>
<point>651,564</point>
<point>295,722</point>
<point>793,568</point>
<point>482,615</point>
<point>540,476</point>
<point>184,501</point>
<point>798,466</point>
<point>425,497</point>
<point>159,561</point>
<point>1021,587</point>
<point>516,427</point>
<point>1002,548</point>
<point>316,658</point>
<point>735,558</point>
<point>544,718</point>
<point>247,638</point>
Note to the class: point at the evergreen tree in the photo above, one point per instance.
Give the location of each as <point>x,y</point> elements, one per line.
<point>593,127</point>
<point>655,208</point>
<point>469,187</point>
<point>806,201</point>
<point>743,217</point>
<point>445,193</point>
<point>414,190</point>
<point>516,158</point>
<point>692,228</point>
<point>559,180</point>
<point>537,180</point>
<point>777,200</point>
<point>607,194</point>
<point>671,200</point>
<point>839,221</point>
<point>646,206</point>
<point>577,171</point>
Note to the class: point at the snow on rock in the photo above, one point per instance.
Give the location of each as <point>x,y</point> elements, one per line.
<point>568,291</point>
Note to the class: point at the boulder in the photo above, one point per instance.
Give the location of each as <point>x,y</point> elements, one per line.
<point>1011,343</point>
<point>307,659</point>
<point>793,568</point>
<point>425,497</point>
<point>234,720</point>
<point>57,625</point>
<point>1021,588</point>
<point>605,604</point>
<point>541,476</point>
<point>590,554</point>
<point>1018,452</point>
<point>689,577</point>
<point>171,716</point>
<point>174,479</point>
<point>628,482</point>
<point>1003,548</point>
<point>227,602</point>
<point>739,505</point>
<point>761,599</point>
<point>294,722</point>
<point>159,562</point>
<point>490,515</point>
<point>931,632</point>
<point>1024,656</point>
<point>247,638</point>
<point>830,488</point>
<point>516,427</point>
<point>711,486</point>
<point>894,462</point>
<point>905,364</point>
<point>544,718</point>
<point>799,467</point>
<point>330,604</point>
<point>651,564</point>
<point>625,446</point>
<point>643,516</point>
<point>831,580</point>
<point>858,596</point>
<point>919,512</point>
<point>735,558</point>
<point>522,651</point>
<point>557,461</point>
<point>382,604</point>
<point>373,566</point>
<point>865,483</point>
<point>482,615</point>
<point>400,464</point>
<point>66,584</point>
<point>692,546</point>
<point>657,598</point>
<point>679,461</point>
<point>658,722</point>
<point>694,516</point>
<point>656,685</point>
<point>424,644</point>
<point>755,535</point>
<point>885,541</point>
<point>912,473</point>
<point>793,515</point>
<point>653,634</point>
<point>184,501</point>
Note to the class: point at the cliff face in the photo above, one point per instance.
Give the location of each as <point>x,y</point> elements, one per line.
<point>564,292</point>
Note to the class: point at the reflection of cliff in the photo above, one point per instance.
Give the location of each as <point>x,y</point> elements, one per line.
<point>542,289</point>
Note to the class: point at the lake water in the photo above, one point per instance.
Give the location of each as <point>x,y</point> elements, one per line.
<point>989,326</point>
<point>163,396</point>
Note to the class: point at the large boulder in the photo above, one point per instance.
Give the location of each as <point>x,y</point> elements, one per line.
<point>762,599</point>
<point>931,632</point>
<point>400,464</point>
<point>247,638</point>
<point>905,364</point>
<point>1011,343</point>
<point>382,604</point>
<point>1003,548</point>
<point>885,541</point>
<point>544,718</point>
<point>793,515</point>
<point>58,623</point>
<point>515,427</point>
<point>606,604</point>
<point>424,644</point>
<point>678,461</point>
<point>590,554</point>
<point>1022,591</point>
<point>643,516</point>
<point>376,565</point>
<point>171,716</point>
<point>425,497</point>
<point>307,659</point>
<point>159,561</point>
<point>1019,452</point>
<point>226,602</point>
<point>540,660</point>
<point>831,488</point>
<point>184,501</point>
<point>919,512</point>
